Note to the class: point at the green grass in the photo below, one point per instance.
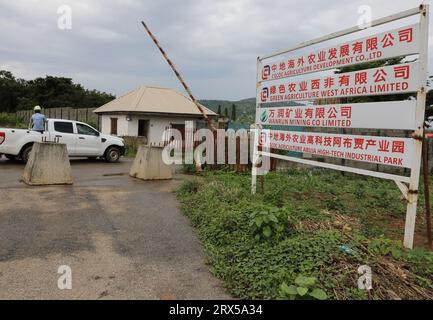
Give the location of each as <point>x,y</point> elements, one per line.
<point>309,223</point>
<point>130,152</point>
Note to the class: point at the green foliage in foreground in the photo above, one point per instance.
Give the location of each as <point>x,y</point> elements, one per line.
<point>8,120</point>
<point>263,246</point>
<point>302,289</point>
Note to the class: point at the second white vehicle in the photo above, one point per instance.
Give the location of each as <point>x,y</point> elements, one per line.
<point>81,140</point>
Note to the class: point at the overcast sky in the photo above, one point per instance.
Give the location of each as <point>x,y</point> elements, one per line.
<point>213,43</point>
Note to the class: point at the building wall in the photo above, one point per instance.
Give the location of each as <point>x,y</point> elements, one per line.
<point>157,125</point>
<point>122,124</point>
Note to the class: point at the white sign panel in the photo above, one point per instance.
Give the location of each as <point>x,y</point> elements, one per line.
<point>380,150</point>
<point>374,115</point>
<point>398,42</point>
<point>281,78</point>
<point>394,79</point>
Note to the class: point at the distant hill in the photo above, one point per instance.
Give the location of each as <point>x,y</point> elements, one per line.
<point>245,106</point>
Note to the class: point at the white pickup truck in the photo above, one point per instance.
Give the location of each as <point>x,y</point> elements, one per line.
<point>81,141</point>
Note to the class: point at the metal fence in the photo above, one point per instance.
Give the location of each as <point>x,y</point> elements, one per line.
<point>84,114</point>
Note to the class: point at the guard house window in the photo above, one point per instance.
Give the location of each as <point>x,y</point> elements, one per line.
<point>143,128</point>
<point>113,129</point>
<point>64,127</point>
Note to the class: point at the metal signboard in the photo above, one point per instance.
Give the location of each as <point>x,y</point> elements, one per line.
<point>379,150</point>
<point>281,80</point>
<point>374,115</point>
<point>396,79</point>
<point>398,42</point>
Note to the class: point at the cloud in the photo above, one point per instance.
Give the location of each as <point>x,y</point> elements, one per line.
<point>102,34</point>
<point>214,43</point>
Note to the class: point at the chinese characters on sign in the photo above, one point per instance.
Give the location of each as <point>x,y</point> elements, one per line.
<point>380,150</point>
<point>375,115</point>
<point>386,80</point>
<point>394,43</point>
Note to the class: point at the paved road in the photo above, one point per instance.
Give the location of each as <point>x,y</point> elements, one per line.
<point>123,238</point>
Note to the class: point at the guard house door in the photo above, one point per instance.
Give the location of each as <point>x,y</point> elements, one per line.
<point>143,128</point>
<point>113,126</point>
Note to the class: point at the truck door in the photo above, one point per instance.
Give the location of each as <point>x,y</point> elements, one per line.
<point>64,132</point>
<point>89,143</point>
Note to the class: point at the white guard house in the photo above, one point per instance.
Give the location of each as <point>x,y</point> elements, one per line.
<point>149,111</point>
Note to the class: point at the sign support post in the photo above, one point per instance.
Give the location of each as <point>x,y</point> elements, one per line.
<point>255,156</point>
<point>425,170</point>
<point>412,193</point>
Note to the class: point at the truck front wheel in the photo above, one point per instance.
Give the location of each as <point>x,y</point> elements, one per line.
<point>25,154</point>
<point>112,154</point>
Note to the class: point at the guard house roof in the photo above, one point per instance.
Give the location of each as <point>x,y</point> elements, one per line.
<point>148,99</point>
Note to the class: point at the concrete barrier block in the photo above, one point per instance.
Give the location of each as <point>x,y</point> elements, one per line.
<point>148,164</point>
<point>48,165</point>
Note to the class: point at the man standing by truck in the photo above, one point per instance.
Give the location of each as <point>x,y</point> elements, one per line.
<point>38,120</point>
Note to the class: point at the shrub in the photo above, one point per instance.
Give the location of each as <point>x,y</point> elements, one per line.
<point>189,187</point>
<point>260,244</point>
<point>304,288</point>
<point>268,223</point>
<point>9,120</point>
<point>188,168</point>
<point>132,144</point>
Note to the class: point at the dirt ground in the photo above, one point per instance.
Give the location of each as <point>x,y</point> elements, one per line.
<point>123,238</point>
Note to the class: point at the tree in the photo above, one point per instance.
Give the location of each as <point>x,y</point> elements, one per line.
<point>10,91</point>
<point>226,112</point>
<point>219,110</point>
<point>49,92</point>
<point>234,115</point>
